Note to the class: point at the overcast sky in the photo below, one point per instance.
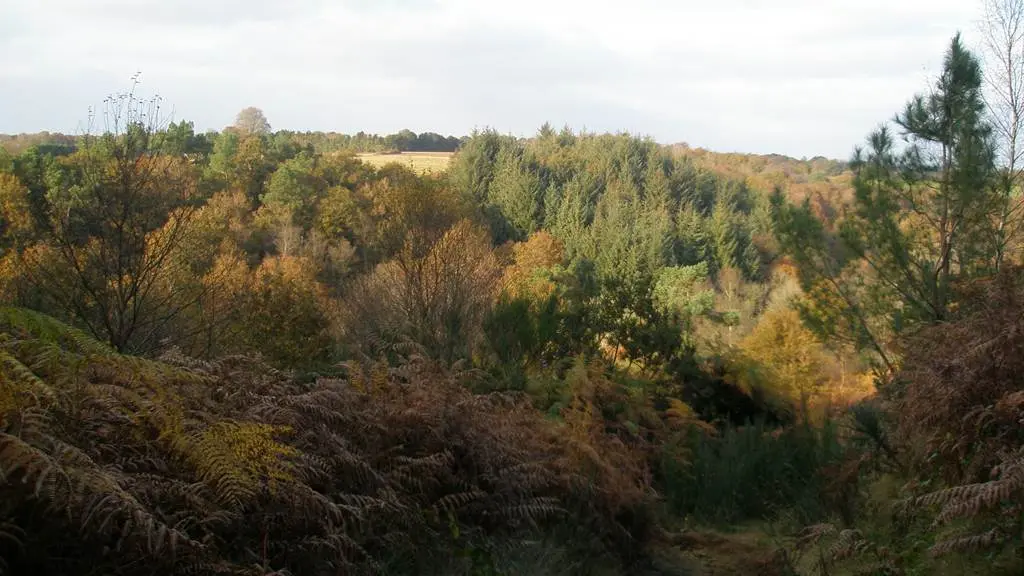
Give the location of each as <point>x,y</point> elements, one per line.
<point>796,77</point>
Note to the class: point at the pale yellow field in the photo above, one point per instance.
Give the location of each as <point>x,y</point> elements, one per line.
<point>422,162</point>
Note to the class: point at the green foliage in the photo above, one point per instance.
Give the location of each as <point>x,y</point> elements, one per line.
<point>628,318</point>
<point>691,237</point>
<point>602,283</point>
<point>723,232</point>
<point>619,201</point>
<point>916,272</point>
<point>516,191</point>
<point>116,213</point>
<point>402,141</point>
<point>920,219</point>
<point>180,139</point>
<point>295,187</point>
<point>284,316</point>
<point>754,471</point>
<point>472,170</point>
<point>685,290</point>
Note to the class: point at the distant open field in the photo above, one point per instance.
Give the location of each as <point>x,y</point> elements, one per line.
<point>421,162</point>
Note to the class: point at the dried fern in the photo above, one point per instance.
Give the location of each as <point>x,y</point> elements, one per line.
<point>963,401</point>
<point>177,466</point>
<point>848,548</point>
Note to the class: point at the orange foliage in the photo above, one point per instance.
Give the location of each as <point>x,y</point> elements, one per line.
<point>790,354</point>
<point>15,212</point>
<point>286,313</point>
<point>963,378</point>
<point>961,415</point>
<point>531,258</point>
<point>829,182</point>
<point>193,467</point>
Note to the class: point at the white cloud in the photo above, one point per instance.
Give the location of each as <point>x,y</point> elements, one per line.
<point>800,77</point>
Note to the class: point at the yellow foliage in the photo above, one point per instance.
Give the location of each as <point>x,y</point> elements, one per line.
<point>285,312</point>
<point>787,268</point>
<point>373,383</point>
<point>541,250</point>
<point>788,353</point>
<point>224,218</point>
<point>592,446</point>
<point>243,456</point>
<point>41,263</point>
<point>681,415</point>
<point>291,270</point>
<point>12,276</point>
<point>19,386</point>
<point>229,275</point>
<point>851,388</point>
<point>15,212</point>
<point>525,278</point>
<point>411,211</point>
<point>824,302</point>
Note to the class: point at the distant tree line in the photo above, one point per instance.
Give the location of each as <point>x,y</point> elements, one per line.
<point>402,141</point>
<point>182,137</point>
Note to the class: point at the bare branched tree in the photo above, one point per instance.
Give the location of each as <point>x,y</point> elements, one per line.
<point>1003,39</point>
<point>436,300</point>
<point>117,216</point>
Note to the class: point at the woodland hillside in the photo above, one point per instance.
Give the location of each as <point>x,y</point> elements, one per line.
<point>249,352</point>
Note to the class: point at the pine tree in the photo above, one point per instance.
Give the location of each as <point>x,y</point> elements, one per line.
<point>472,169</point>
<point>516,190</point>
<point>751,260</point>
<point>921,219</point>
<point>722,232</point>
<point>691,236</point>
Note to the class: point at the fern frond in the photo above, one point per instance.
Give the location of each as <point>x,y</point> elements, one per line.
<point>28,323</point>
<point>969,543</point>
<point>22,462</point>
<point>19,385</point>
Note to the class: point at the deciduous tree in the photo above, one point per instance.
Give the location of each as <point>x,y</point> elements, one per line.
<point>118,212</point>
<point>251,120</point>
<point>1003,37</point>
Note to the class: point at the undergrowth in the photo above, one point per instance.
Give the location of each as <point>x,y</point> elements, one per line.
<point>753,471</point>
<point>119,465</point>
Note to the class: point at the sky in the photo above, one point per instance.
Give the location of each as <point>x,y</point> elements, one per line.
<point>796,77</point>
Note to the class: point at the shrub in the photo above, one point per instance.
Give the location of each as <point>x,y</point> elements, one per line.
<point>754,471</point>
<point>962,403</point>
<point>229,467</point>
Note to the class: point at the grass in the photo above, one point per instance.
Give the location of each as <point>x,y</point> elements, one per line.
<point>752,472</point>
<point>420,162</point>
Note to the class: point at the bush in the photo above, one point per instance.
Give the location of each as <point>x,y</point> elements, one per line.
<point>960,409</point>
<point>229,467</point>
<point>754,471</point>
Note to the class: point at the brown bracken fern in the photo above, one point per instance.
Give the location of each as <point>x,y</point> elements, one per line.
<point>964,404</point>
<point>833,549</point>
<point>111,464</point>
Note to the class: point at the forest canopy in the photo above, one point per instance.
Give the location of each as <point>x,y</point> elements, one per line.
<point>251,351</point>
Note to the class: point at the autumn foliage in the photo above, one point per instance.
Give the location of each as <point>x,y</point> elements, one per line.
<point>178,466</point>
<point>962,413</point>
